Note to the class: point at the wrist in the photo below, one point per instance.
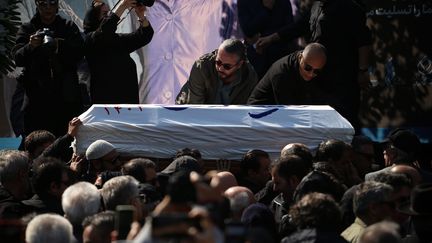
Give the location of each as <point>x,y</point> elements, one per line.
<point>143,21</point>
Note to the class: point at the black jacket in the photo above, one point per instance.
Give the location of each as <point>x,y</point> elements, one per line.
<point>50,75</point>
<point>113,72</point>
<point>283,85</point>
<point>11,208</point>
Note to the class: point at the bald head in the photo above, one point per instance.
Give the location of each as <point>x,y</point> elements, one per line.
<point>315,50</point>
<point>223,180</point>
<point>409,171</point>
<point>312,61</point>
<point>234,191</point>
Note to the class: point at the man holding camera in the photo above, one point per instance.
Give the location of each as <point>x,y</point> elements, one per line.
<point>49,48</point>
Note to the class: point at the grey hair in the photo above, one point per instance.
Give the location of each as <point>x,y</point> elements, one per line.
<point>11,163</point>
<point>370,192</point>
<point>239,202</point>
<point>48,228</point>
<point>80,200</point>
<point>382,232</point>
<point>119,190</point>
<point>234,46</point>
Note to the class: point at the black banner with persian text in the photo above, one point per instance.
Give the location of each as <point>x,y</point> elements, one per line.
<point>401,67</point>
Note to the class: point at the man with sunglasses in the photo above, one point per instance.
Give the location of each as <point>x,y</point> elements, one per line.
<point>49,48</point>
<point>223,76</point>
<point>292,80</point>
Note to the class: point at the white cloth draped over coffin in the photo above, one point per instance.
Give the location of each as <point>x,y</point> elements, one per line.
<point>218,132</point>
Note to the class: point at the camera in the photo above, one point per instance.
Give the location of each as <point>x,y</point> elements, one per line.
<point>47,36</point>
<point>147,3</point>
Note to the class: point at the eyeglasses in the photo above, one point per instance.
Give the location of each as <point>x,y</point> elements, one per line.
<point>226,66</point>
<point>46,3</point>
<point>309,68</point>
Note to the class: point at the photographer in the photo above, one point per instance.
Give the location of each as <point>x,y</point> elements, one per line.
<point>113,72</point>
<point>49,48</point>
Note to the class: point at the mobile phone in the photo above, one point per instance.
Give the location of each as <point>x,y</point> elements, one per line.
<point>123,220</point>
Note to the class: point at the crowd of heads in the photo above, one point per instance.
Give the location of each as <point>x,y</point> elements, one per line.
<point>300,194</point>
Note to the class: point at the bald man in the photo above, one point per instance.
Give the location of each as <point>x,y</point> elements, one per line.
<point>222,181</point>
<point>293,79</point>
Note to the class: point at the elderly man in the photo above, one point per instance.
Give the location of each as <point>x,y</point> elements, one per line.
<point>224,76</point>
<point>14,186</point>
<point>49,228</point>
<point>292,80</point>
<point>373,202</point>
<point>78,202</point>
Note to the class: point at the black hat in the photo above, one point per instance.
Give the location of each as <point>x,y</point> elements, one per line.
<point>182,163</point>
<point>421,201</point>
<point>404,140</point>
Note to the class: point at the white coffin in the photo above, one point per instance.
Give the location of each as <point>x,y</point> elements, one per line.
<point>219,132</point>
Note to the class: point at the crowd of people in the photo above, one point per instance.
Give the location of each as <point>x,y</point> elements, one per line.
<point>334,194</point>
<point>337,193</point>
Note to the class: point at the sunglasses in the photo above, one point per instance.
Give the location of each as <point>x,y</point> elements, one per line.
<point>226,66</point>
<point>46,3</point>
<point>309,68</point>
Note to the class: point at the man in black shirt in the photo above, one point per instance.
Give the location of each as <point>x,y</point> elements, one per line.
<point>293,80</point>
<point>339,25</point>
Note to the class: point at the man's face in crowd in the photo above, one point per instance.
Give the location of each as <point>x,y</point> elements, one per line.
<point>364,158</point>
<point>227,64</point>
<point>104,9</point>
<point>311,65</point>
<point>111,161</point>
<point>47,10</point>
<point>263,174</point>
<point>279,183</point>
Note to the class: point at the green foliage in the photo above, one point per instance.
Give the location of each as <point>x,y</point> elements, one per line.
<point>9,23</point>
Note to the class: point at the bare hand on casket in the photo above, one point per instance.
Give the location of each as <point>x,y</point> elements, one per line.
<point>73,126</point>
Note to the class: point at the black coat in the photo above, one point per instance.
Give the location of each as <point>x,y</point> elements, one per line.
<point>113,72</point>
<point>283,85</point>
<point>50,75</point>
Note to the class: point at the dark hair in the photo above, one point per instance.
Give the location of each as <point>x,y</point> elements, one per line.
<point>46,171</point>
<point>302,151</point>
<point>289,166</point>
<point>136,168</point>
<point>194,153</point>
<point>36,139</point>
<point>251,160</point>
<point>103,223</point>
<point>180,188</point>
<point>316,210</point>
<point>359,141</point>
<point>331,150</point>
<point>91,19</point>
<point>234,46</point>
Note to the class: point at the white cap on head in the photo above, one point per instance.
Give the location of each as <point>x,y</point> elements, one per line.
<point>98,149</point>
